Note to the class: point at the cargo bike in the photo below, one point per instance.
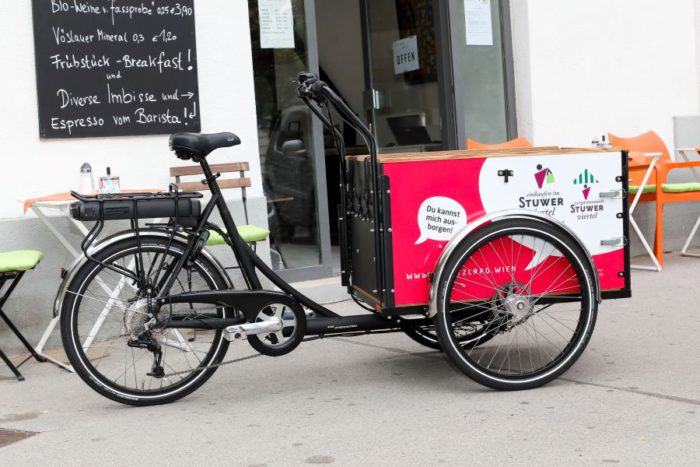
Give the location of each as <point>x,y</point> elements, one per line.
<point>497,258</point>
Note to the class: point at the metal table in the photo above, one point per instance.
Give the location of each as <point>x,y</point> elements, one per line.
<point>61,202</point>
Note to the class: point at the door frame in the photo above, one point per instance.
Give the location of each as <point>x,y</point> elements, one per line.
<point>325,266</point>
<point>446,77</point>
<point>509,69</point>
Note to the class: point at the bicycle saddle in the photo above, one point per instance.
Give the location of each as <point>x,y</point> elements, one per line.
<point>187,145</point>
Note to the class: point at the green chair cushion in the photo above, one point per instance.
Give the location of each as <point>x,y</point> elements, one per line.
<point>20,260</point>
<point>680,187</point>
<point>647,189</point>
<point>249,233</point>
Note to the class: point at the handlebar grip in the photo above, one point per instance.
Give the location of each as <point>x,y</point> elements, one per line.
<point>305,76</point>
<point>316,89</point>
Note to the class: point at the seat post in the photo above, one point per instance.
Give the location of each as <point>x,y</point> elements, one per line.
<point>206,170</point>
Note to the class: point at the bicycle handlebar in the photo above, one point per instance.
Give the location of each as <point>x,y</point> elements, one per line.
<point>313,89</point>
<point>310,87</point>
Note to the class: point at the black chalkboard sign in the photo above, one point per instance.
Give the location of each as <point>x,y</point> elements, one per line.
<point>115,67</point>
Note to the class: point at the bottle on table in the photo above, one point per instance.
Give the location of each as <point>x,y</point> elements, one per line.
<point>87,182</point>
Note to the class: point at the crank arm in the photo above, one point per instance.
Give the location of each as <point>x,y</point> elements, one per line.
<point>242,331</point>
<point>202,323</point>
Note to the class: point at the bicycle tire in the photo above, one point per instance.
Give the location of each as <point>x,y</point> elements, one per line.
<point>514,302</point>
<point>87,362</point>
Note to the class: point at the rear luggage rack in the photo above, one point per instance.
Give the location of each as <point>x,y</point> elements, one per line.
<point>182,209</point>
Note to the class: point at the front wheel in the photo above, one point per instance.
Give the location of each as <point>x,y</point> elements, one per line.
<point>533,285</point>
<point>104,316</point>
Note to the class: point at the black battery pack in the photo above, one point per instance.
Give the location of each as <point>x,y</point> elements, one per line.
<point>145,206</point>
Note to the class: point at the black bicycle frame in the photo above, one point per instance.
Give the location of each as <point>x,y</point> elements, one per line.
<point>245,256</point>
<point>327,321</point>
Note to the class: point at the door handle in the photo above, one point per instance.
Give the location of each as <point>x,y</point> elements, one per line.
<point>616,241</point>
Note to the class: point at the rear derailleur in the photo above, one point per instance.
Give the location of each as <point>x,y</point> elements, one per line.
<point>146,341</point>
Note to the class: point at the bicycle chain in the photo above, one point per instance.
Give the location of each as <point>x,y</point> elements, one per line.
<point>216,365</point>
<point>236,360</point>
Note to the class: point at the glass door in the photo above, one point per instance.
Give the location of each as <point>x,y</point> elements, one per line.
<point>438,72</point>
<point>403,99</point>
<point>291,142</point>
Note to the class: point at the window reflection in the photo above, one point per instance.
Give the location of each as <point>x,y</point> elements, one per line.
<point>285,140</point>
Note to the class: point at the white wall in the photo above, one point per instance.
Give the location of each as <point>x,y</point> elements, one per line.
<point>30,167</point>
<point>585,68</point>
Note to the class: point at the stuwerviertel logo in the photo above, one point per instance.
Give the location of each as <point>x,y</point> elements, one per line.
<point>586,178</point>
<point>543,175</point>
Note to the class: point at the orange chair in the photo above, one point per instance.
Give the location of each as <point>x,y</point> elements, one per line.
<point>517,143</point>
<point>656,188</point>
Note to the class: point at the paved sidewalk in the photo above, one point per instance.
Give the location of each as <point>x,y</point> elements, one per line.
<point>632,399</point>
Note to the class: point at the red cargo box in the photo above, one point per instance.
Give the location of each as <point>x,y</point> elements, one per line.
<point>426,198</point>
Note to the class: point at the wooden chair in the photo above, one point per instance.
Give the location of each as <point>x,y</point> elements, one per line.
<point>250,233</point>
<point>13,265</point>
<point>517,143</point>
<point>656,190</point>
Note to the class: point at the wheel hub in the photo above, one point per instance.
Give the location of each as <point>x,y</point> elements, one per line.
<point>519,307</point>
<point>514,303</point>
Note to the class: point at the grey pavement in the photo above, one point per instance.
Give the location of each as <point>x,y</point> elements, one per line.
<point>633,398</point>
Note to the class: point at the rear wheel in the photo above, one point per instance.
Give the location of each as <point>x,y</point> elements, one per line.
<point>535,289</point>
<point>424,335</point>
<point>427,335</point>
<point>104,316</point>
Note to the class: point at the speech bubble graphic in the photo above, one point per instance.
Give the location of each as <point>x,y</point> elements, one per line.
<point>439,218</point>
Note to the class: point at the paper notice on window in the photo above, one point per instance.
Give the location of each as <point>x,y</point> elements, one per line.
<point>478,22</point>
<point>276,24</point>
<point>406,55</point>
